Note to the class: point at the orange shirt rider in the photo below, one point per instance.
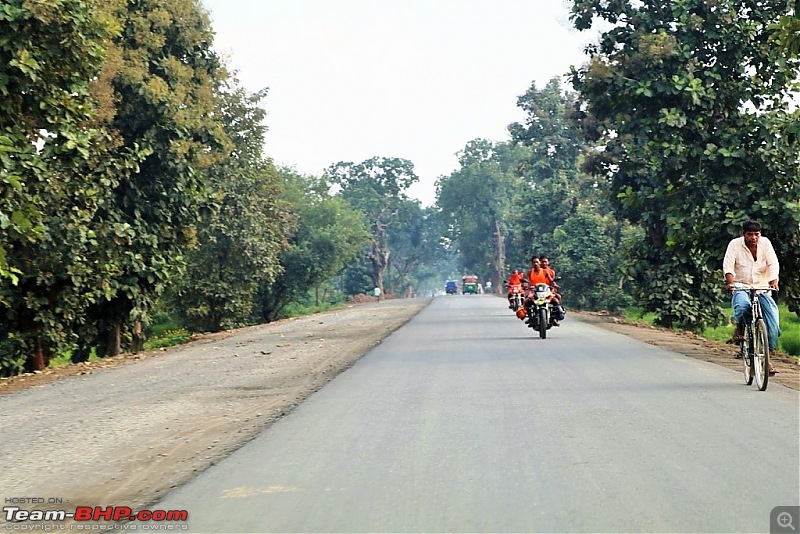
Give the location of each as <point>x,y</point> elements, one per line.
<point>515,278</point>
<point>544,275</point>
<point>537,275</point>
<point>545,263</point>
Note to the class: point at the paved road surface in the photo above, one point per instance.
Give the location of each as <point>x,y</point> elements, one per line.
<point>464,421</point>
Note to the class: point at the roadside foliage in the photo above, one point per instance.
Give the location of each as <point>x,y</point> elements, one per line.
<point>243,224</point>
<point>686,107</point>
<point>376,187</point>
<point>137,195</point>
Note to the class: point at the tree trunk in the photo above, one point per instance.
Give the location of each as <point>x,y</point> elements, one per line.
<point>114,341</point>
<point>214,321</point>
<point>499,259</point>
<point>377,279</point>
<point>137,337</point>
<point>38,362</point>
<point>380,259</point>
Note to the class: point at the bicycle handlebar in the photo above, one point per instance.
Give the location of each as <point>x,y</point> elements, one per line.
<point>742,287</point>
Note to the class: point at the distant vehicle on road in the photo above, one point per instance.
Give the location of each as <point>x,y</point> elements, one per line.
<point>469,284</point>
<point>451,287</point>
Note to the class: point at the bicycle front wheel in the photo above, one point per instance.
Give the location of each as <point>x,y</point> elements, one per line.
<point>761,354</point>
<point>747,355</point>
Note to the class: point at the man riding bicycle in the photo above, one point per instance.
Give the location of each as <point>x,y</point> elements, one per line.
<point>751,260</point>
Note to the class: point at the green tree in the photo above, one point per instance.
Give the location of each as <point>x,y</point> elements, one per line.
<point>242,233</point>
<point>375,187</point>
<point>787,142</point>
<point>561,212</point>
<point>549,131</point>
<point>57,161</point>
<point>682,98</point>
<point>787,34</point>
<point>475,201</point>
<point>414,242</point>
<point>50,52</point>
<point>163,88</point>
<point>328,234</point>
<point>554,184</point>
<point>586,246</point>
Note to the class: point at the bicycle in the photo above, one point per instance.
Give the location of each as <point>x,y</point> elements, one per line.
<point>755,347</point>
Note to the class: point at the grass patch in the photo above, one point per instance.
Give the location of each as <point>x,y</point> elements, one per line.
<point>789,342</point>
<point>636,314</point>
<point>65,358</point>
<point>161,324</point>
<point>169,338</point>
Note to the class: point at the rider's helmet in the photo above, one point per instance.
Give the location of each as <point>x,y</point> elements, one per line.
<point>521,313</point>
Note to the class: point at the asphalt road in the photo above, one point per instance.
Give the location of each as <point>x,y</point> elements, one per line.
<point>465,421</point>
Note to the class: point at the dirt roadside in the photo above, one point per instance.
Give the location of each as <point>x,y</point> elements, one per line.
<point>695,346</point>
<point>180,419</point>
<point>126,430</point>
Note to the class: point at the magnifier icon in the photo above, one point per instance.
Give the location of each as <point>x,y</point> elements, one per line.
<point>785,520</point>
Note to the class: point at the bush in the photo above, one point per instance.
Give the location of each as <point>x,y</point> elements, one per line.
<point>11,363</point>
<point>789,342</point>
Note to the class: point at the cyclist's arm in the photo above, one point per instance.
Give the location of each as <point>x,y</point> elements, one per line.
<point>729,281</point>
<point>729,264</point>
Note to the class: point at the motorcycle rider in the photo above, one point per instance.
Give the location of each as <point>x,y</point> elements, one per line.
<point>545,263</point>
<point>514,280</point>
<point>536,275</point>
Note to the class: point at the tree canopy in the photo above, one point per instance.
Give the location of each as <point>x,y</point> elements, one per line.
<point>475,202</point>
<point>683,101</point>
<point>376,187</point>
<point>244,226</point>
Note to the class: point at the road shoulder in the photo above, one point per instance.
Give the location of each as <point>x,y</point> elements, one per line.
<point>692,345</point>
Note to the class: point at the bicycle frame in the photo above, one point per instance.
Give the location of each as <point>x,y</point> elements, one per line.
<point>756,344</point>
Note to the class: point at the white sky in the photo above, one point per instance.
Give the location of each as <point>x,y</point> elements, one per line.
<point>413,79</point>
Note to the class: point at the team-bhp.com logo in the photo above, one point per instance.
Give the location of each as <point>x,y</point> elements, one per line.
<point>96,513</point>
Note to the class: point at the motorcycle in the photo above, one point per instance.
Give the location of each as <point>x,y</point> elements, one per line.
<point>516,297</point>
<point>541,309</point>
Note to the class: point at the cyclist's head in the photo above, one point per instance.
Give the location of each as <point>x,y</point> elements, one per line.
<point>751,226</point>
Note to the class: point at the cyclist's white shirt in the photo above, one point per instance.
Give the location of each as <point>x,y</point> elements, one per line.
<point>739,262</point>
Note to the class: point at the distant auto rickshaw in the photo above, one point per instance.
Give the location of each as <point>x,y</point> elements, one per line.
<point>469,284</point>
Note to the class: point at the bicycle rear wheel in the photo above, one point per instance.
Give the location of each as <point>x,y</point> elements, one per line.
<point>761,354</point>
<point>747,355</point>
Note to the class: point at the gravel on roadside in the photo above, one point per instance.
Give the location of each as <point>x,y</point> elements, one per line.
<point>126,431</point>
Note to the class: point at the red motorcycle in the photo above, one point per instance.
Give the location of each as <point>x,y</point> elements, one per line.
<point>516,297</point>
